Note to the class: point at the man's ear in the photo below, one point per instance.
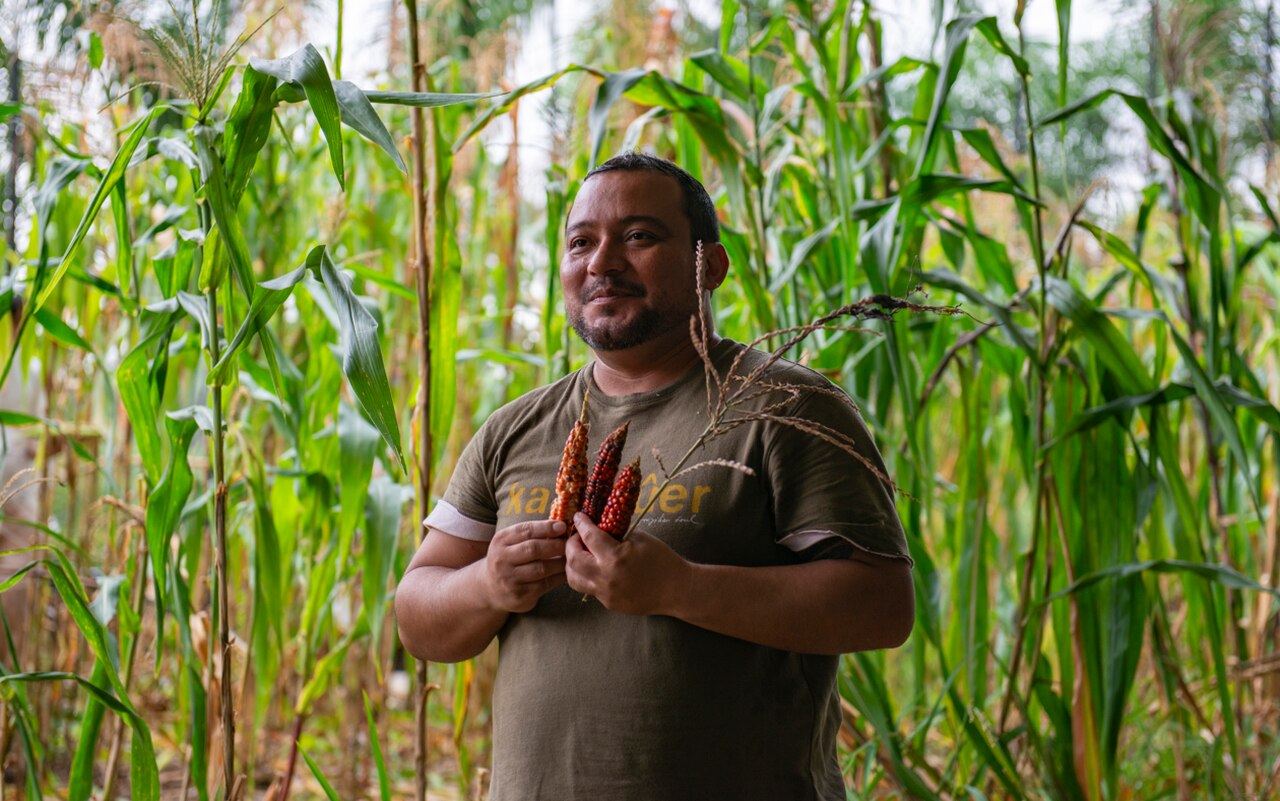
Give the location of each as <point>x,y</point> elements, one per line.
<point>715,261</point>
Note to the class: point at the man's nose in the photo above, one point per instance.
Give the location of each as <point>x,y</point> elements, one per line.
<point>605,258</point>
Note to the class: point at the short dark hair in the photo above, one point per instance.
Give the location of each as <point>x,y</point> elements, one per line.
<point>704,226</point>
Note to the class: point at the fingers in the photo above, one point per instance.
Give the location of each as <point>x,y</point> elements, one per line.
<point>540,570</point>
<point>524,561</point>
<point>530,530</point>
<point>595,540</point>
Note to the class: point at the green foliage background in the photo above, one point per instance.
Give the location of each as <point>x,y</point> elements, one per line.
<point>1089,459</point>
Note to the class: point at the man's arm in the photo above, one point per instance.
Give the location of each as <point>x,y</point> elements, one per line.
<point>828,606</point>
<point>457,593</point>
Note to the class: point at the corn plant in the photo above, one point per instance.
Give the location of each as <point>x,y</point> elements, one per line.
<point>182,333</point>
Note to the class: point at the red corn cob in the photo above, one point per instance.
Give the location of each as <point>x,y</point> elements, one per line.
<point>603,473</point>
<point>622,501</point>
<point>571,479</point>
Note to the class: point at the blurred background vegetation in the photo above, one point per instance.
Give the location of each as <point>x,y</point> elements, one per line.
<point>250,312</point>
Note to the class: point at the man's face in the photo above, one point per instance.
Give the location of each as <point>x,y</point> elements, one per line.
<point>628,266</point>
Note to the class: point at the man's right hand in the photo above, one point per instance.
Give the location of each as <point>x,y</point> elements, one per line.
<point>457,593</point>
<point>524,561</point>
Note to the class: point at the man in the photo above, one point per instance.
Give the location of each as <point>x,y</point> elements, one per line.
<point>704,667</point>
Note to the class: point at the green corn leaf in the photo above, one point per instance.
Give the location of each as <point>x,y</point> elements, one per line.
<point>80,782</point>
<point>1259,245</point>
<point>62,332</point>
<point>112,177</point>
<point>1119,409</point>
<point>1205,197</point>
<point>730,73</point>
<point>614,86</point>
<point>144,776</point>
<point>958,31</point>
<point>383,512</point>
<point>980,140</point>
<point>1216,573</point>
<point>802,252</point>
<point>269,564</point>
<point>198,729</point>
<point>990,29</point>
<point>305,69</point>
<point>124,251</point>
<point>224,215</point>
<point>268,296</point>
<point>384,784</point>
<point>1261,197</point>
<point>138,394</point>
<point>171,217</point>
<point>16,576</point>
<point>1126,627</point>
<point>360,354</point>
<point>358,113</point>
<point>905,65</point>
<point>498,108</point>
<point>61,173</point>
<point>247,128</point>
<point>1218,411</point>
<point>358,443</point>
<point>10,418</point>
<point>1256,406</point>
<point>95,49</point>
<point>426,99</point>
<point>170,148</point>
<point>212,101</point>
<point>164,508</point>
<point>947,279</point>
<point>1122,253</point>
<point>19,705</point>
<point>1112,347</point>
<point>927,188</point>
<point>329,792</point>
<point>323,673</point>
<point>197,308</point>
<point>53,534</point>
<point>143,770</point>
<point>379,277</point>
<point>447,308</point>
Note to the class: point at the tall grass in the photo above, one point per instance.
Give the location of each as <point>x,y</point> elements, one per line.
<point>229,358</point>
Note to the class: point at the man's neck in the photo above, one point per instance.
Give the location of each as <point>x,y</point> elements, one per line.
<point>645,368</point>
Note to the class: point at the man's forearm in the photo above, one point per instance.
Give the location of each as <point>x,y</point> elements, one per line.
<point>443,615</point>
<point>828,606</point>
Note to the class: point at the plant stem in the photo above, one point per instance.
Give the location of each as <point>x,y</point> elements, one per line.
<point>220,555</point>
<point>137,600</point>
<point>422,409</point>
<point>293,757</point>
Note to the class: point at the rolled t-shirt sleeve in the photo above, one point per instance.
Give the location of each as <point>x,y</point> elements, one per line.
<point>469,507</point>
<point>821,492</point>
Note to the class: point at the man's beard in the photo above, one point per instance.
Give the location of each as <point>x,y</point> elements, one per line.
<point>612,334</point>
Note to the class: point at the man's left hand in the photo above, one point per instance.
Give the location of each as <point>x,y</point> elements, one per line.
<point>639,576</point>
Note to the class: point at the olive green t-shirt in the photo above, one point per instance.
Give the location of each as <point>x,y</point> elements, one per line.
<point>593,704</point>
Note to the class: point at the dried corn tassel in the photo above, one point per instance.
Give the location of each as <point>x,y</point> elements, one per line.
<point>571,479</point>
<point>603,473</point>
<point>622,501</point>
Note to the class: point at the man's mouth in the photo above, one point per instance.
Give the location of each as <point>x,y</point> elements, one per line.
<point>609,292</point>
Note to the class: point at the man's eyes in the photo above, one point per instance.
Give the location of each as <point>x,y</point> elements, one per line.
<point>578,242</point>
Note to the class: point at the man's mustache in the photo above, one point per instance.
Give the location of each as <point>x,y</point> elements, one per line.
<point>611,286</point>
